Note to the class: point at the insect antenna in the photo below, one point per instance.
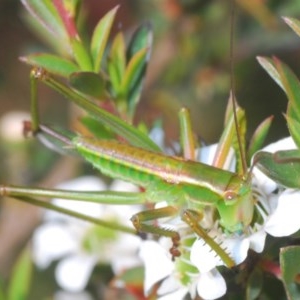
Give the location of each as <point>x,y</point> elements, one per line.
<point>232,86</point>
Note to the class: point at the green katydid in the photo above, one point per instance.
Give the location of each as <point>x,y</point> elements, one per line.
<point>186,185</point>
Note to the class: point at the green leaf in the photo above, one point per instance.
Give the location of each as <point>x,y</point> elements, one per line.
<point>289,263</point>
<point>117,62</point>
<point>254,284</point>
<point>100,37</point>
<point>293,23</point>
<point>45,12</point>
<point>142,39</point>
<point>81,55</point>
<point>258,137</point>
<point>282,166</point>
<point>21,276</point>
<point>133,71</point>
<point>269,66</point>
<point>294,128</point>
<point>291,87</point>
<point>288,81</point>
<point>96,128</point>
<point>88,83</point>
<point>51,63</point>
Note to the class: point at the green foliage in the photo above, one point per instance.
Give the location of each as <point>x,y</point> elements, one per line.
<point>284,167</point>
<point>21,277</point>
<point>100,38</point>
<point>289,262</point>
<point>121,82</point>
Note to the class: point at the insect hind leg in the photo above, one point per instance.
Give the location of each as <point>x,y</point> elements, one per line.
<point>141,219</point>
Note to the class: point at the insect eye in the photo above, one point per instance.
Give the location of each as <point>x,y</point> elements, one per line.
<point>230,196</point>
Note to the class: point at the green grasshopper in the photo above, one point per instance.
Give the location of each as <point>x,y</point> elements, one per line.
<point>186,185</point>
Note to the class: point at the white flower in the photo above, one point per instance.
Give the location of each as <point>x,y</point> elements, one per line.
<point>80,245</point>
<point>159,266</point>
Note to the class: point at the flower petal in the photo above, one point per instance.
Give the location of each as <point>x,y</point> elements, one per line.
<point>123,253</point>
<point>264,183</point>
<point>158,264</point>
<point>257,240</point>
<point>237,248</point>
<point>50,242</point>
<point>283,144</point>
<point>211,285</point>
<point>203,257</point>
<point>207,156</point>
<point>176,295</point>
<point>62,295</point>
<point>73,272</point>
<point>285,220</point>
<point>170,285</point>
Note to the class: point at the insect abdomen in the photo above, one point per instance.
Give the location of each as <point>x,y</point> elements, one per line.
<point>122,161</point>
<point>146,168</point>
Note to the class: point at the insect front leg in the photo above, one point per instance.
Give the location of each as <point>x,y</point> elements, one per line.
<point>141,219</point>
<point>192,218</point>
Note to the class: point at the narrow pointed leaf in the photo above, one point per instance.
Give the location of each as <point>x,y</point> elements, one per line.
<point>288,81</point>
<point>294,128</point>
<point>133,70</point>
<point>283,167</point>
<point>117,62</point>
<point>88,83</point>
<point>289,258</point>
<point>269,66</point>
<point>293,23</point>
<point>47,15</point>
<point>81,55</point>
<point>100,38</point>
<point>141,39</point>
<point>51,63</point>
<point>292,88</point>
<point>258,137</point>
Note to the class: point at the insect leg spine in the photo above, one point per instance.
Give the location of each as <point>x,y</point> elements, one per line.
<point>189,218</point>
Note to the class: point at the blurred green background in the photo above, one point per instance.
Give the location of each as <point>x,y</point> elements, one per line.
<point>190,66</point>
